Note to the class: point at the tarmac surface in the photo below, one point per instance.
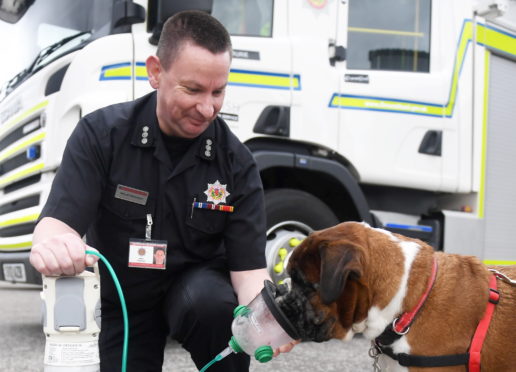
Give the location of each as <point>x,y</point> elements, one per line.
<point>22,343</point>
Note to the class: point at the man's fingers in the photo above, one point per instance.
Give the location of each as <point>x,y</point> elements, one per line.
<point>39,264</point>
<point>76,248</point>
<point>61,255</point>
<point>91,259</point>
<point>286,348</point>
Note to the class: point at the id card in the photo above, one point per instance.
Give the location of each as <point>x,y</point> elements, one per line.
<point>148,254</point>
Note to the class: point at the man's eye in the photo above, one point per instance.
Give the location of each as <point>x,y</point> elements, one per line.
<point>192,90</point>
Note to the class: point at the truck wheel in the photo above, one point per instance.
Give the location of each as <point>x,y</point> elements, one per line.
<point>291,216</point>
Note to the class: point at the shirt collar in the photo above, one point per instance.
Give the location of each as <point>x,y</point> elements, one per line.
<point>146,129</point>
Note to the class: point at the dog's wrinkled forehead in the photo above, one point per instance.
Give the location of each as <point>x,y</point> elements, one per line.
<point>307,256</point>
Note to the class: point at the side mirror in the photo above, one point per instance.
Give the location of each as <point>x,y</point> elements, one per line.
<point>126,13</point>
<point>12,11</point>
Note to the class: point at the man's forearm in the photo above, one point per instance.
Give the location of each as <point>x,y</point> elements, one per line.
<point>248,284</point>
<point>49,227</point>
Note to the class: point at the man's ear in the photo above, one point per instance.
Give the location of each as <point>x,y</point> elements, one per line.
<point>153,71</point>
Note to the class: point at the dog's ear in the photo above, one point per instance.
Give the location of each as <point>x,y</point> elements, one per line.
<point>340,260</point>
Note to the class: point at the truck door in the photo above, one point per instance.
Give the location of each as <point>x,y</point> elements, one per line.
<point>260,74</point>
<point>391,102</point>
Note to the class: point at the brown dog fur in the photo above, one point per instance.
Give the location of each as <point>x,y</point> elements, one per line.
<point>355,267</point>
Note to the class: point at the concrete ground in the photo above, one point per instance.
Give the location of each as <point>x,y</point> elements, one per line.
<point>22,343</point>
<point>331,356</point>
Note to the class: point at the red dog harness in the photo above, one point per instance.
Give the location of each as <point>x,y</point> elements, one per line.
<point>400,326</point>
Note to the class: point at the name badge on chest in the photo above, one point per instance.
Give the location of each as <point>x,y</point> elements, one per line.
<point>147,253</point>
<point>131,194</point>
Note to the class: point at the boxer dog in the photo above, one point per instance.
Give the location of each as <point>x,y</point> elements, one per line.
<point>352,278</point>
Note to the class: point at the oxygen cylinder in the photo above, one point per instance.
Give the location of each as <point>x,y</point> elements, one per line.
<point>71,322</point>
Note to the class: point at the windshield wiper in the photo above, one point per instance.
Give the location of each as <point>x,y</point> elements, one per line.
<point>36,64</point>
<point>45,52</point>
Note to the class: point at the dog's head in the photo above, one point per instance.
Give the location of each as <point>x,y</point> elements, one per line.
<point>330,280</point>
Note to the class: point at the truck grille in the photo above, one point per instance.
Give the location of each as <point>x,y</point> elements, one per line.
<point>20,145</point>
<point>21,164</point>
<point>17,161</point>
<point>27,202</point>
<point>16,230</point>
<point>21,132</point>
<point>22,183</point>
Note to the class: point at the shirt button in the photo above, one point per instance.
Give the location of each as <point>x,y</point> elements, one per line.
<point>209,142</point>
<point>145,128</point>
<point>144,140</point>
<point>207,153</point>
<point>145,134</point>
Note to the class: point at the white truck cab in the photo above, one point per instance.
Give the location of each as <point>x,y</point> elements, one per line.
<point>393,112</point>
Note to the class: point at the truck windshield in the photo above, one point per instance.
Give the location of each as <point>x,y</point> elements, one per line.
<point>245,17</point>
<point>40,28</point>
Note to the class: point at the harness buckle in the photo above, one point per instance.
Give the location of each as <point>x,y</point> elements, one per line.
<point>401,332</point>
<point>494,296</point>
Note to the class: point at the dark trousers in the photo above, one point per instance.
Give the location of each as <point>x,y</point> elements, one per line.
<point>197,311</point>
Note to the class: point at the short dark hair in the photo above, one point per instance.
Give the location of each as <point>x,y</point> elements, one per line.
<point>194,26</point>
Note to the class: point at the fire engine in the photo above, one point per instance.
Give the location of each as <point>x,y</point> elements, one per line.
<point>399,113</point>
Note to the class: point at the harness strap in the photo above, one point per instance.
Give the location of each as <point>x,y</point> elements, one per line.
<point>472,358</point>
<point>481,331</point>
<point>408,360</point>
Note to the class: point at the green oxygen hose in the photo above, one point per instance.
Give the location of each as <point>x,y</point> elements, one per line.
<point>122,303</point>
<point>218,358</point>
<point>214,360</point>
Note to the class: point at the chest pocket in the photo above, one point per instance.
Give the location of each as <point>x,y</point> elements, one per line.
<point>205,222</point>
<point>126,216</point>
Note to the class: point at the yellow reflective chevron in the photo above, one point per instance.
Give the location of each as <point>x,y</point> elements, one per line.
<point>386,104</point>
<point>9,178</point>
<point>11,123</point>
<point>29,141</point>
<point>119,71</point>
<point>482,187</point>
<point>495,39</point>
<point>487,36</point>
<point>256,79</point>
<point>499,262</point>
<point>141,71</point>
<point>259,79</point>
<point>123,71</point>
<point>16,246</point>
<point>20,220</point>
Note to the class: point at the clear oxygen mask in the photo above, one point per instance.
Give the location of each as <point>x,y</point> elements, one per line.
<point>259,328</point>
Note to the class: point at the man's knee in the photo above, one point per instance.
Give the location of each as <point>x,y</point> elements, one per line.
<point>203,296</point>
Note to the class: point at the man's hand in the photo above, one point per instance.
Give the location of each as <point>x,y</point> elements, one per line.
<point>58,250</point>
<point>286,348</point>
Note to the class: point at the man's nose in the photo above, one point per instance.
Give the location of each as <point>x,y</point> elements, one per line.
<point>206,108</point>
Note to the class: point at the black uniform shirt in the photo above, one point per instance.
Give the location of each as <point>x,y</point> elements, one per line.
<point>121,145</point>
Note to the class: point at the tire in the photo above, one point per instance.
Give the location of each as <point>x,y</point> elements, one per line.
<point>291,216</point>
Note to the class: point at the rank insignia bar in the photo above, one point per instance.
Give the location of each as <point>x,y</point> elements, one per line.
<point>222,208</point>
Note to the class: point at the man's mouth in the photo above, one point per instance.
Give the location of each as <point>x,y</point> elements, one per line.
<point>197,122</point>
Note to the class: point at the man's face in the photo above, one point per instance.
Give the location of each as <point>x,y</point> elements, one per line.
<point>191,91</point>
<point>159,256</point>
